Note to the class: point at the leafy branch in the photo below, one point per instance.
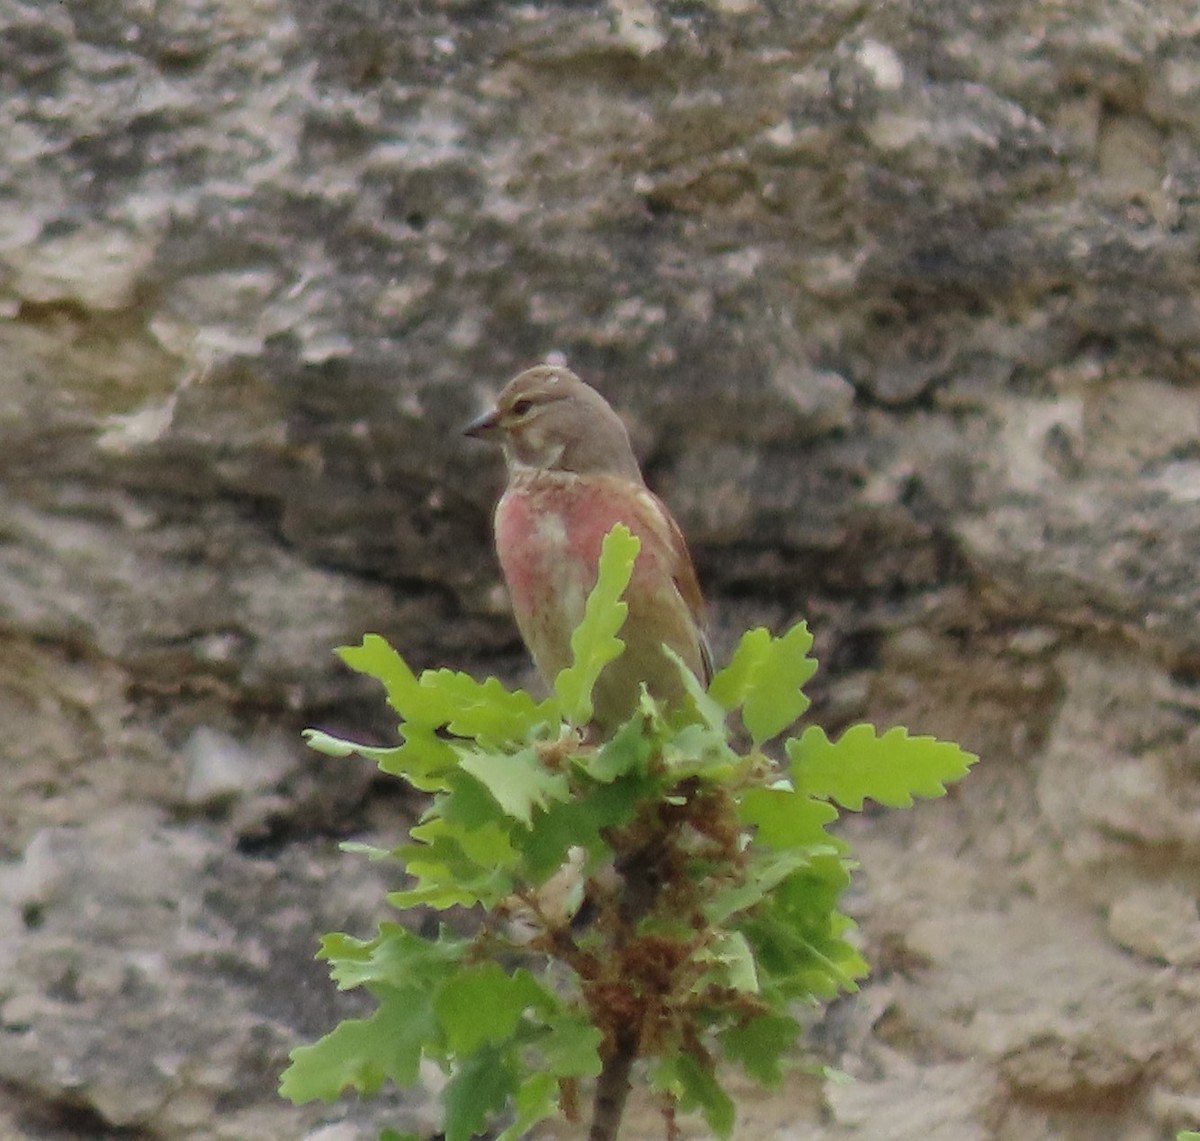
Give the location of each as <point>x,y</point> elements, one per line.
<point>658,896</point>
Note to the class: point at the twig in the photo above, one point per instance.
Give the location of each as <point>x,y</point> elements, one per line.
<point>612,1088</point>
<point>640,873</point>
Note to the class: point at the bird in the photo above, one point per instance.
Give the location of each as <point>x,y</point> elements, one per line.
<point>572,476</point>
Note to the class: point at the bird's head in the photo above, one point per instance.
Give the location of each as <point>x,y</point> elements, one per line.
<point>547,419</point>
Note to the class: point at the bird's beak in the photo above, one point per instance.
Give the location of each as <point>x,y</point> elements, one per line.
<point>484,427</point>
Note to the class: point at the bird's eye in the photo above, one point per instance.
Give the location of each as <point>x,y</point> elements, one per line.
<point>522,407</point>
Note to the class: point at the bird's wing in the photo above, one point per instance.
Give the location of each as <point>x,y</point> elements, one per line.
<point>683,573</point>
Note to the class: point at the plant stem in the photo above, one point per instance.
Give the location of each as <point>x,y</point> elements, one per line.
<point>640,869</point>
<point>612,1088</point>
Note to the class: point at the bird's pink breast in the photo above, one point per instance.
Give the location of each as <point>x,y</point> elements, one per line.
<point>549,531</point>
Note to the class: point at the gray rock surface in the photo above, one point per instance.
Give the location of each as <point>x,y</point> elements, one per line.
<point>901,301</point>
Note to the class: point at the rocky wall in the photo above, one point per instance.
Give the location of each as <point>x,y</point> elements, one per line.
<point>901,302</point>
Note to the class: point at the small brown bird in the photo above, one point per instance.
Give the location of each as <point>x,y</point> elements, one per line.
<point>572,476</point>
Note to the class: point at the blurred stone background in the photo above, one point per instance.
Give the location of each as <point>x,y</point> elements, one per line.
<point>901,301</point>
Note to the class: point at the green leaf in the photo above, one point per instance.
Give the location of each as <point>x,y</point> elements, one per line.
<point>438,892</point>
<point>482,1085</point>
<point>482,1004</point>
<point>518,781</point>
<point>485,711</point>
<point>357,847</point>
<point>730,963</point>
<point>375,658</point>
<point>421,760</point>
<point>798,936</point>
<point>759,1045</point>
<point>627,751</point>
<point>332,746</point>
<point>396,956</point>
<point>891,769</point>
<point>811,893</point>
<point>469,816</point>
<point>581,822</point>
<point>361,1054</point>
<point>595,643</point>
<point>446,874</point>
<point>536,1099</point>
<point>699,750</point>
<point>693,1084</point>
<point>468,804</point>
<point>424,759</point>
<point>765,677</point>
<point>796,968</point>
<point>571,1046</point>
<point>490,846</point>
<point>710,711</point>
<point>769,868</point>
<point>784,818</point>
<point>730,900</point>
<point>835,1076</point>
